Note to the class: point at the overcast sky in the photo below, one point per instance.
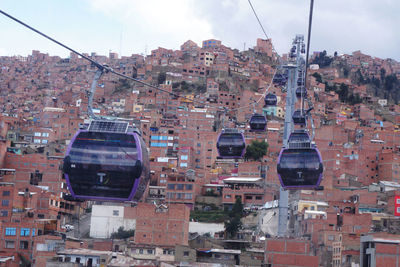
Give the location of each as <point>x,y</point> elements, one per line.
<point>138,26</point>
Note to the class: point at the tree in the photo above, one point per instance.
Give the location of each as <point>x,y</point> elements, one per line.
<point>233,224</point>
<point>256,150</point>
<point>184,86</point>
<point>122,234</point>
<point>343,92</point>
<point>359,78</point>
<point>317,76</point>
<point>383,73</point>
<point>237,209</point>
<point>322,59</point>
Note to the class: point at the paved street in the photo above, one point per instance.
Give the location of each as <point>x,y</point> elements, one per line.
<point>81,227</point>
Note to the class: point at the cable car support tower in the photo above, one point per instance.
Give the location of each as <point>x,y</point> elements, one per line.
<point>293,66</point>
<point>293,72</point>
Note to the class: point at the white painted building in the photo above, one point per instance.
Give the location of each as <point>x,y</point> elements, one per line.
<point>106,220</point>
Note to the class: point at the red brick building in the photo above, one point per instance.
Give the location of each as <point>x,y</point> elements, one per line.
<point>289,252</point>
<point>164,225</point>
<point>380,249</point>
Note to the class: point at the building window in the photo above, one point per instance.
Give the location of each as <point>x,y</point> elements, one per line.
<point>179,187</point>
<point>188,196</point>
<point>149,251</point>
<point>140,251</point>
<point>10,244</point>
<point>4,213</point>
<point>189,187</point>
<point>183,164</point>
<point>23,244</point>
<point>398,201</point>
<point>115,212</point>
<point>38,134</point>
<point>184,157</point>
<point>171,186</point>
<point>11,231</point>
<point>258,197</point>
<point>6,193</point>
<point>25,231</point>
<point>331,237</point>
<point>45,134</point>
<point>186,253</point>
<point>36,178</point>
<point>5,202</point>
<point>228,196</point>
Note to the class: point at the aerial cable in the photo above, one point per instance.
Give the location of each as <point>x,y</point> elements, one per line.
<point>98,65</point>
<point>51,39</point>
<point>261,97</point>
<point>308,41</point>
<point>306,68</point>
<point>259,22</point>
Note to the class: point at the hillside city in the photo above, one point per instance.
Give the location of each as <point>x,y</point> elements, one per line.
<point>199,210</point>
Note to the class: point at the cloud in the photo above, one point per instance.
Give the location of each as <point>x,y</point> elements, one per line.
<point>155,22</point>
<point>341,25</point>
<point>133,26</point>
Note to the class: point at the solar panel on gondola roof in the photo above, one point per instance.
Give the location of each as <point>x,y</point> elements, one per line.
<point>108,126</point>
<point>230,130</point>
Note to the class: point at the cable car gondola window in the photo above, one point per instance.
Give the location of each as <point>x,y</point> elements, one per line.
<point>301,159</point>
<point>103,148</point>
<point>230,140</point>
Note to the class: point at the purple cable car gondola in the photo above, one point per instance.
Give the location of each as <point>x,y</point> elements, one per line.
<point>278,79</point>
<point>258,122</point>
<point>231,144</point>
<point>270,100</point>
<point>300,81</point>
<point>300,165</point>
<point>107,161</point>
<point>299,117</point>
<point>301,92</point>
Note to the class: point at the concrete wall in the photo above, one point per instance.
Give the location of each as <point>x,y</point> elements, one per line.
<point>202,228</point>
<point>106,220</point>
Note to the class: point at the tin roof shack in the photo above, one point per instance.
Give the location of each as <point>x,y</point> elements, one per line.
<point>252,257</point>
<point>151,253</point>
<point>223,256</point>
<point>185,254</point>
<point>85,257</point>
